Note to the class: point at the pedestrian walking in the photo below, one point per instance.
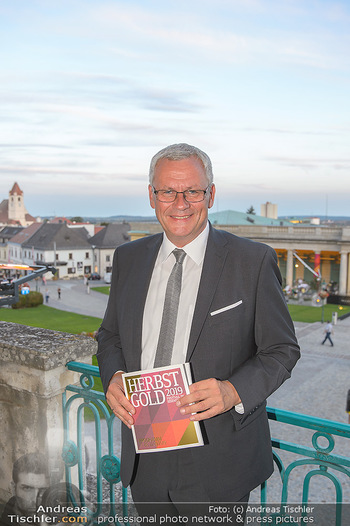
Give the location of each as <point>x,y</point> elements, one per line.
<point>328,331</point>
<point>47,296</point>
<point>59,293</point>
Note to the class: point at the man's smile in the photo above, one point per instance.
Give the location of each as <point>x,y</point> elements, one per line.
<point>182,221</point>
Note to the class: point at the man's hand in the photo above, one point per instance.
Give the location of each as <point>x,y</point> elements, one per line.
<point>208,398</point>
<point>118,402</point>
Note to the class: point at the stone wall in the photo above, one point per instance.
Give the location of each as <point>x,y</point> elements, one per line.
<point>33,377</point>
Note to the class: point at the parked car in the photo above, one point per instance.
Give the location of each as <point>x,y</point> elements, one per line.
<point>94,276</point>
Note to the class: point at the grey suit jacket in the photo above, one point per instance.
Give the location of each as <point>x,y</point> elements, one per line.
<point>252,345</point>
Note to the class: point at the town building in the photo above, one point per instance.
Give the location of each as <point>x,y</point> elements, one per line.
<point>12,210</point>
<point>53,244</point>
<point>269,210</point>
<point>6,233</point>
<point>90,227</point>
<point>70,250</point>
<point>15,253</point>
<point>104,244</point>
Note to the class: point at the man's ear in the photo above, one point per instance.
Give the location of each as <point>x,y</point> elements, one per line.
<point>152,200</point>
<point>212,195</point>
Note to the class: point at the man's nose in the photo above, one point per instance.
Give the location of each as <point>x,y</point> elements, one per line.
<point>180,201</point>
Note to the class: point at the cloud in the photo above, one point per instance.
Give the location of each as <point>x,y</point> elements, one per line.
<point>40,146</point>
<point>110,88</point>
<point>95,97</point>
<point>214,38</point>
<point>312,163</point>
<point>290,131</point>
<point>312,34</point>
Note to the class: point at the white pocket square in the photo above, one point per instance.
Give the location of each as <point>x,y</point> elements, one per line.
<point>219,311</point>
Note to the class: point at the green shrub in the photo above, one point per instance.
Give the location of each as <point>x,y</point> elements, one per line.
<point>33,299</point>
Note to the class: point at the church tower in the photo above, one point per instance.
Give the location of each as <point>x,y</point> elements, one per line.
<point>16,208</point>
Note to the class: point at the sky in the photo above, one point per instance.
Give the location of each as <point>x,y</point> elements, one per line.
<point>90,90</point>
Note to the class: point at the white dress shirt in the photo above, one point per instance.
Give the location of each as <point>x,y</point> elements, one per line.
<point>152,317</point>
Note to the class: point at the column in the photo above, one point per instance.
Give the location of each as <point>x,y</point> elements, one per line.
<point>343,272</point>
<point>289,276</point>
<point>317,263</point>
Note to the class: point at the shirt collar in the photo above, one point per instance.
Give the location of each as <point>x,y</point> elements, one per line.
<point>195,250</point>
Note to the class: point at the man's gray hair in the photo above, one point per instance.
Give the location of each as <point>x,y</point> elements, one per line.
<point>177,152</point>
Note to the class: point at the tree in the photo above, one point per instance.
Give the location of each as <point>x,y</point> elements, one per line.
<point>251,210</point>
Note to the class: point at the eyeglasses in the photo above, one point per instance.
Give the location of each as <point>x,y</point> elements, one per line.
<point>191,196</point>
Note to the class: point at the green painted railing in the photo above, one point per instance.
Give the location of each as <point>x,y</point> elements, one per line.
<point>74,454</point>
<point>320,460</point>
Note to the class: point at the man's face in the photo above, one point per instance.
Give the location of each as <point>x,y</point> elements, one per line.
<point>182,221</point>
<point>29,489</point>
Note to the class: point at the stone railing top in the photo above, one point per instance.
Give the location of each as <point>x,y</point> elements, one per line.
<point>42,348</point>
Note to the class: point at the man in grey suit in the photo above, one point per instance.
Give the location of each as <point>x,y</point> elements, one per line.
<point>232,325</point>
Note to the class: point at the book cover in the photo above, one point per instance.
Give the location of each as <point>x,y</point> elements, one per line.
<point>159,425</point>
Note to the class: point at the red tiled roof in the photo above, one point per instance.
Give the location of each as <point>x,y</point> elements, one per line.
<point>26,233</point>
<point>29,217</point>
<point>61,220</point>
<point>16,190</point>
<point>4,210</point>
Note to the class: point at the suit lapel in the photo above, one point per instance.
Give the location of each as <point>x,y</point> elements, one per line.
<point>214,260</point>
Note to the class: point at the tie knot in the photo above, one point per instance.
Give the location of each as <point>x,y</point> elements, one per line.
<point>179,255</point>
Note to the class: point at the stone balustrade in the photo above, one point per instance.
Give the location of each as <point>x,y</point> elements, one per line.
<point>33,376</point>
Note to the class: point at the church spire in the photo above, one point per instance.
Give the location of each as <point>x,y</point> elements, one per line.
<point>16,190</point>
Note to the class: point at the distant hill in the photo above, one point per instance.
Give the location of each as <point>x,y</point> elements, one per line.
<point>121,218</point>
<point>113,219</point>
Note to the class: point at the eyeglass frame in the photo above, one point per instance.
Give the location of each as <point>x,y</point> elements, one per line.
<point>183,193</point>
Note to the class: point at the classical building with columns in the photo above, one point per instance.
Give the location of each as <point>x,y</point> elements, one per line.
<point>322,248</point>
<point>325,249</point>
